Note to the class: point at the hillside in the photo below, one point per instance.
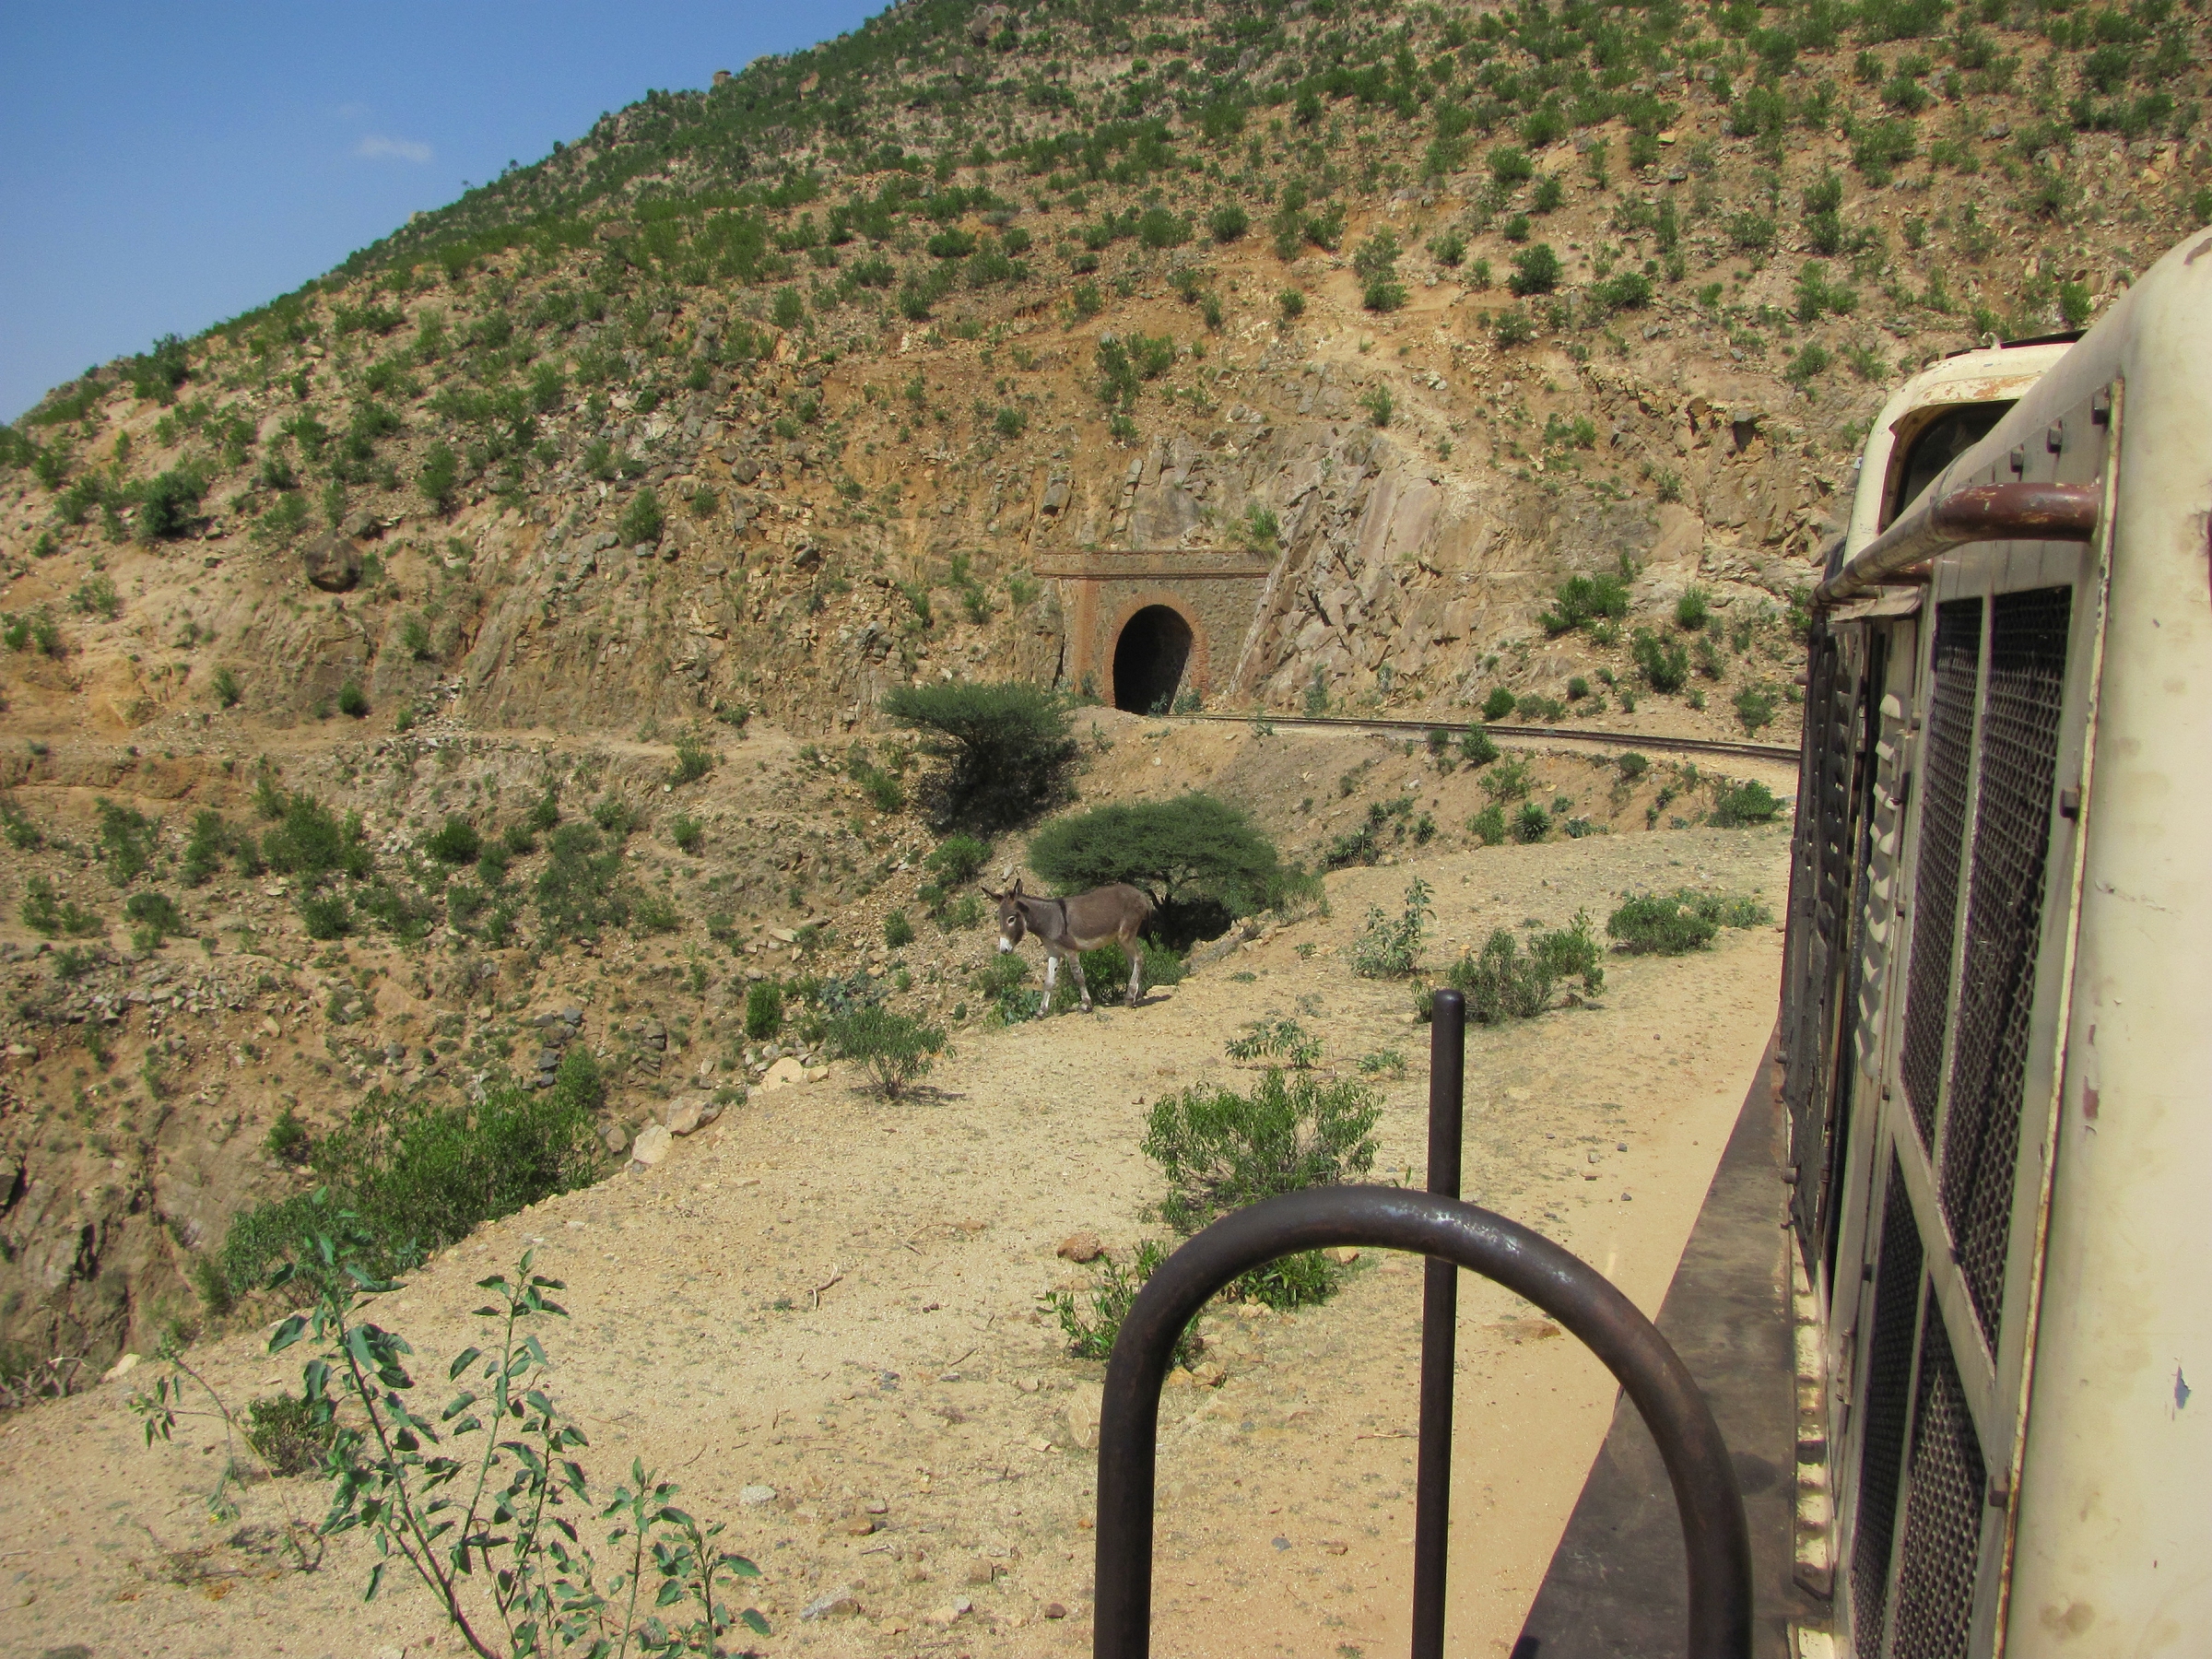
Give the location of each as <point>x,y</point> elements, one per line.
<point>632,482</point>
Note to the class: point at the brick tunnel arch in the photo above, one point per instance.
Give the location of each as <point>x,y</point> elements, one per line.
<point>1155,652</point>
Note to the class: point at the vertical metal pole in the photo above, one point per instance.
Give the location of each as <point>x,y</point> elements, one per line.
<point>1439,1321</point>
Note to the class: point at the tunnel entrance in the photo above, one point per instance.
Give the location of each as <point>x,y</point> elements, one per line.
<point>1148,659</point>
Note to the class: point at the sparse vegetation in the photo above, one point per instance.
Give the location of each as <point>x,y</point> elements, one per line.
<point>1675,923</point>
<point>896,1049</point>
<point>1502,982</point>
<point>1220,1151</point>
<point>1388,946</point>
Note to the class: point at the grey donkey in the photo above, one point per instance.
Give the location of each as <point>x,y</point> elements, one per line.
<point>1068,928</point>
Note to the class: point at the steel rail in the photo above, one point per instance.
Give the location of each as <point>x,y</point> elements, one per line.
<point>1711,1511</point>
<point>1625,740</point>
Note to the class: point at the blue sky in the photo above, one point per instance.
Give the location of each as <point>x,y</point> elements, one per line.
<point>164,166</point>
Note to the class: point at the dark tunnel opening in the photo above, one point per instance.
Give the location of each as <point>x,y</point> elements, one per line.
<point>1148,659</point>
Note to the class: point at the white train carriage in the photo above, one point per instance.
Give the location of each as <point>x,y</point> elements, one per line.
<point>1997,1002</point>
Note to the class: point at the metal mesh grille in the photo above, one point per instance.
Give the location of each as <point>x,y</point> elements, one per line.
<point>2004,927</point>
<point>1943,1510</point>
<point>1935,875</point>
<point>1889,1390</point>
<point>1829,712</point>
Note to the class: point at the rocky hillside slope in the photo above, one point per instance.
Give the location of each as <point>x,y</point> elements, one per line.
<point>630,479</point>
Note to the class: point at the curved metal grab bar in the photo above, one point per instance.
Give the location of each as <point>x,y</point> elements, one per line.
<point>1561,1283</point>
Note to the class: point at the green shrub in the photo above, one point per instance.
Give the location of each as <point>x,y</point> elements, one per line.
<point>1221,1150</point>
<point>694,760</point>
<point>454,842</point>
<point>96,597</point>
<point>686,832</point>
<point>1090,1333</point>
<point>1229,223</point>
<point>156,917</point>
<point>1660,926</point>
<point>1583,599</point>
<point>1509,781</point>
<point>1532,823</point>
<point>419,1177</point>
<point>579,891</point>
<point>1754,708</point>
<point>642,521</point>
<point>1664,664</point>
<point>654,913</point>
<point>22,834</point>
<point>884,791</point>
<point>1488,825</point>
<point>1693,609</point>
<point>957,858</point>
<point>1497,705</point>
<point>898,932</point>
<point>1535,271</point>
<point>1004,750</point>
<point>441,475</point>
<point>1476,747</point>
<point>224,684</point>
<point>1510,164</point>
<point>325,915</point>
<point>290,1435</point>
<point>1502,982</point>
<point>287,1139</point>
<point>897,1050</point>
<point>1390,947</point>
<point>127,841</point>
<point>1284,1042</point>
<point>352,700</point>
<point>47,914</point>
<point>1746,802</point>
<point>308,839</point>
<point>763,1010</point>
<point>357,1417</point>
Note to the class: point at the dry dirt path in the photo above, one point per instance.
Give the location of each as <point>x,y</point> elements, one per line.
<point>928,1398</point>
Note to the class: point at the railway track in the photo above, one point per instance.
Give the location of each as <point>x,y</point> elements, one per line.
<point>1619,740</point>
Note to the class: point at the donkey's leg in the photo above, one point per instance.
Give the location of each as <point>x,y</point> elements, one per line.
<point>1135,948</point>
<point>1051,981</point>
<point>1074,960</point>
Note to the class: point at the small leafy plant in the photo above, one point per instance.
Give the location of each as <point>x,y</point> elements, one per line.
<point>1284,1041</point>
<point>897,1049</point>
<point>1502,983</point>
<point>1091,1331</point>
<point>494,1530</point>
<point>1390,947</point>
<point>1221,1150</point>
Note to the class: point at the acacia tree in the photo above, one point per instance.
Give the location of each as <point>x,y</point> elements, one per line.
<point>1199,857</point>
<point>1004,750</point>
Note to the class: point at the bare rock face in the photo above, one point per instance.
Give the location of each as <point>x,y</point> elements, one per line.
<point>332,562</point>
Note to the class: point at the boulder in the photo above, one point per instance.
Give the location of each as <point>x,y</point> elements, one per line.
<point>651,1147</point>
<point>332,562</point>
<point>783,1074</point>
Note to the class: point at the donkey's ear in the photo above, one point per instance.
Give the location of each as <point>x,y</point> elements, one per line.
<point>987,893</point>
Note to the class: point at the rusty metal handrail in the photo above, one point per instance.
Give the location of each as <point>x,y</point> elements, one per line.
<point>1567,1288</point>
<point>1978,513</point>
